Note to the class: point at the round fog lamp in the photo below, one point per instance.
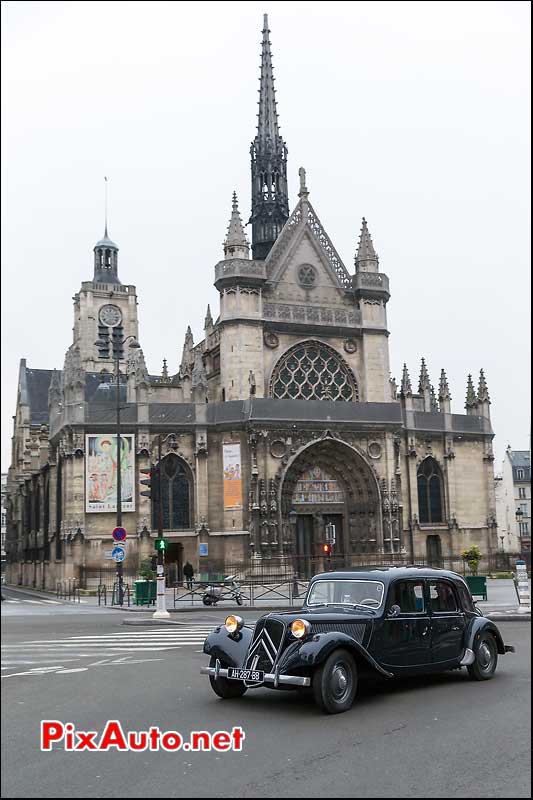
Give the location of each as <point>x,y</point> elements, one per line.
<point>234,623</point>
<point>300,628</point>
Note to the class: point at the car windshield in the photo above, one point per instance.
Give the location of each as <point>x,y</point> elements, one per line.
<point>346,592</point>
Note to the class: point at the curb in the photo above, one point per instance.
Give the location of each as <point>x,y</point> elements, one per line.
<point>225,612</point>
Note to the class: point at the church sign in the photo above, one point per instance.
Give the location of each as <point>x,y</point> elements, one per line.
<point>231,458</point>
<point>101,473</point>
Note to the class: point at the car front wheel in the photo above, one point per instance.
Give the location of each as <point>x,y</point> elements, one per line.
<point>335,682</point>
<point>486,658</point>
<point>223,687</point>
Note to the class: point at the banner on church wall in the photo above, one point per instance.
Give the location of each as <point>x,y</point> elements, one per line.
<point>101,472</point>
<point>231,455</point>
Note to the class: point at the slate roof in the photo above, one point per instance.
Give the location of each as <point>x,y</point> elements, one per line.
<point>37,382</point>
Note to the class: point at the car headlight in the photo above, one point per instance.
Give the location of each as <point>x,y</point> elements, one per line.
<point>234,623</point>
<point>300,628</point>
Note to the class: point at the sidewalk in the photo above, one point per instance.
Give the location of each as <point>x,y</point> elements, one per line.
<point>501,606</point>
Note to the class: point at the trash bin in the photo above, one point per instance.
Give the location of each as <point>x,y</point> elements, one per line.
<point>144,592</point>
<point>477,585</point>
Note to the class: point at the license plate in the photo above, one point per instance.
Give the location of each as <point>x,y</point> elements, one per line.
<point>253,675</point>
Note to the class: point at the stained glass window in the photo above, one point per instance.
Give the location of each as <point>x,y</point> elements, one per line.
<point>313,371</point>
<point>429,479</point>
<point>176,495</point>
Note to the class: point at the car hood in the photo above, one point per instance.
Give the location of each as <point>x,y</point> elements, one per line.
<point>322,614</point>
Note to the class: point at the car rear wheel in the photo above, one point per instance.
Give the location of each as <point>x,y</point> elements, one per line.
<point>335,683</point>
<point>486,658</point>
<point>223,687</point>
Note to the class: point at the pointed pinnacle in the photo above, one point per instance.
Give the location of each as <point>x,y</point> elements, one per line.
<point>208,317</point>
<point>433,400</point>
<point>423,382</point>
<point>406,381</point>
<point>471,399</point>
<point>235,237</point>
<point>365,248</point>
<point>267,127</point>
<point>444,389</point>
<point>164,371</point>
<point>483,392</point>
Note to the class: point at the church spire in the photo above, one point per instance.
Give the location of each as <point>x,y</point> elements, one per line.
<point>366,259</point>
<point>236,244</point>
<point>270,204</point>
<point>105,255</point>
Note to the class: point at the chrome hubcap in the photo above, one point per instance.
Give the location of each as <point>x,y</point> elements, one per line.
<point>484,655</point>
<point>340,682</point>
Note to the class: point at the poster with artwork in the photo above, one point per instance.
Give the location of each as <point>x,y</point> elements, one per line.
<point>232,475</point>
<point>101,472</point>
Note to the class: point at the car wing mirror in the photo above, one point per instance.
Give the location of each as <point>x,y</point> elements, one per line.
<point>394,611</point>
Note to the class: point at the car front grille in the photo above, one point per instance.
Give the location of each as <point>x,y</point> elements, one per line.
<point>354,629</point>
<point>265,645</point>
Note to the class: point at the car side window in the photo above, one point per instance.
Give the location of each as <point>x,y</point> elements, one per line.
<point>466,599</point>
<point>409,595</point>
<point>442,597</point>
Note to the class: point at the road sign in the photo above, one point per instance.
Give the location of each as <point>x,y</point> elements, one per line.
<point>119,534</point>
<point>118,554</point>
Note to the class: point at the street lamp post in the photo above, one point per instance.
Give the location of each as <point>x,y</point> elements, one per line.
<point>117,345</point>
<point>519,514</point>
<point>502,538</point>
<point>293,519</point>
<point>161,608</point>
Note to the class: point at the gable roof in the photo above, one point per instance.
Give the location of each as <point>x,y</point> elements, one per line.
<point>33,386</point>
<point>304,219</point>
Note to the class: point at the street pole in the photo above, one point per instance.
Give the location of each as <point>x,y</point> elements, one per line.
<point>161,608</point>
<point>120,565</point>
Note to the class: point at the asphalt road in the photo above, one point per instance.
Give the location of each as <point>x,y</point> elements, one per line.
<point>440,736</point>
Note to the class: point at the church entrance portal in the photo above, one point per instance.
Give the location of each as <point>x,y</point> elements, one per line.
<point>330,482</point>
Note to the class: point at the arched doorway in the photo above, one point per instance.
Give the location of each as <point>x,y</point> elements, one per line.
<point>329,481</point>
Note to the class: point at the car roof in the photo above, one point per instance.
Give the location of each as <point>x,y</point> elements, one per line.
<point>388,574</point>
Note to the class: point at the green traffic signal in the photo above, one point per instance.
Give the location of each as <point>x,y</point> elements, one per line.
<point>161,544</point>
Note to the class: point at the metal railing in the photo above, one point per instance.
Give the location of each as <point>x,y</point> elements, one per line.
<point>68,590</point>
<point>286,592</point>
<point>126,592</point>
<point>102,594</point>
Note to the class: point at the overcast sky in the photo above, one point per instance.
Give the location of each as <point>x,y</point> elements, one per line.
<point>413,114</point>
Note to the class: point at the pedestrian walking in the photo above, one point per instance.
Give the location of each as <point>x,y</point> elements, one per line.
<point>188,571</point>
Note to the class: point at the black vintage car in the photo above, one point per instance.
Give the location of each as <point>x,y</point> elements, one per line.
<point>394,621</point>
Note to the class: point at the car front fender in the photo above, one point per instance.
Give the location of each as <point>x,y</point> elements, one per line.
<point>231,648</point>
<point>477,626</point>
<point>315,650</point>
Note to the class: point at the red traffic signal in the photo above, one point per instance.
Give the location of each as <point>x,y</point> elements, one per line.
<point>326,549</point>
<point>152,482</point>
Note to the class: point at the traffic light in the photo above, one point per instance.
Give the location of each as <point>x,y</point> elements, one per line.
<point>118,345</point>
<point>326,548</point>
<point>161,544</point>
<point>152,482</point>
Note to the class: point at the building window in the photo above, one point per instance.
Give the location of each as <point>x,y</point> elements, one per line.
<point>520,474</point>
<point>524,528</point>
<point>429,479</point>
<point>313,371</point>
<point>176,494</point>
<point>523,509</point>
<point>522,492</point>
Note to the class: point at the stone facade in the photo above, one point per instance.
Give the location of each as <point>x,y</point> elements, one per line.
<point>286,405</point>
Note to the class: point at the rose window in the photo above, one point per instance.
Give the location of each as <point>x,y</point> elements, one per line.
<point>313,371</point>
<point>307,275</point>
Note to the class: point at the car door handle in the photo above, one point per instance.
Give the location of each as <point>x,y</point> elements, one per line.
<point>456,627</point>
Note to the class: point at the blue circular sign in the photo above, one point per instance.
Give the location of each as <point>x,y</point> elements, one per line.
<point>119,534</point>
<point>118,554</point>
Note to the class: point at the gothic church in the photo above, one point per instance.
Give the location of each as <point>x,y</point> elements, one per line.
<point>284,418</point>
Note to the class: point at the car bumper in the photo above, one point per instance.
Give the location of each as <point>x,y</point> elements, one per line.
<point>270,677</point>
